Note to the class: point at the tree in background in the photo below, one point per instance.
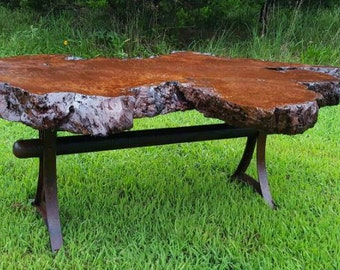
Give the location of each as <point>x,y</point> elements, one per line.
<point>182,19</point>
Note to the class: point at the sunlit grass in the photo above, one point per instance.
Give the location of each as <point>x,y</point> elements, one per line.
<point>173,207</point>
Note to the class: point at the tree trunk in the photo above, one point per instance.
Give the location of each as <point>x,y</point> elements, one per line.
<point>268,4</point>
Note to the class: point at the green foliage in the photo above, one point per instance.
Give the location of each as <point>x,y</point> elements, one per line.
<point>97,3</point>
<point>184,11</point>
<point>38,5</point>
<point>184,20</point>
<point>173,207</point>
<point>86,34</point>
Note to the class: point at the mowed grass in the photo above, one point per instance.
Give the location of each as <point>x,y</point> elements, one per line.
<point>172,207</point>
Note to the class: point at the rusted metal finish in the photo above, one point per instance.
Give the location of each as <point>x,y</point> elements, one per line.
<point>48,146</point>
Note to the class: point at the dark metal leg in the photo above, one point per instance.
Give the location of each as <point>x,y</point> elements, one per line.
<point>46,149</point>
<point>261,168</point>
<point>46,199</point>
<point>39,196</point>
<point>261,186</point>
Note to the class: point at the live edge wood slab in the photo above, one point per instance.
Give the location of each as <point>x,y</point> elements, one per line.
<point>99,98</point>
<point>102,96</point>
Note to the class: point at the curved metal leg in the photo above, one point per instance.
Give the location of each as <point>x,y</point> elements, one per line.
<point>46,199</point>
<point>261,169</point>
<point>261,186</point>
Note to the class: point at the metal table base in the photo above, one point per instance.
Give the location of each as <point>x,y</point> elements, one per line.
<point>49,145</point>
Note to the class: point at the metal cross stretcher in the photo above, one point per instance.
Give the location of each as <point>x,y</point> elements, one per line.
<point>48,146</point>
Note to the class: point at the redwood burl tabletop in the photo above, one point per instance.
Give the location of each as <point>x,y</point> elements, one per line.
<point>102,96</point>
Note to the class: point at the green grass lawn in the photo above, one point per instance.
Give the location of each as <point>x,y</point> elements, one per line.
<point>174,207</point>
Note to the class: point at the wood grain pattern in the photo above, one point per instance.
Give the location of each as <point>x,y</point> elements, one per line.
<point>101,96</point>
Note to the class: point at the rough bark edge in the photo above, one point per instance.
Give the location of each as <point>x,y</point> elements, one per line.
<point>94,115</point>
<point>161,99</point>
<point>67,111</point>
<point>102,116</point>
<point>329,91</point>
<point>290,119</point>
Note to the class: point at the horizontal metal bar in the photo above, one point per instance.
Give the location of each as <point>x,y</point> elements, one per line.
<point>130,139</point>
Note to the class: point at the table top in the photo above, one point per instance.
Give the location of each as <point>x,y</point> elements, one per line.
<point>102,96</point>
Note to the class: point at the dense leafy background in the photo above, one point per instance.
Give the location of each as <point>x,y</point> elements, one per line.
<point>172,13</point>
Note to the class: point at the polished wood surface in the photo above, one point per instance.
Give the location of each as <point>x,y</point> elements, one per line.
<point>102,96</point>
<point>241,81</point>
